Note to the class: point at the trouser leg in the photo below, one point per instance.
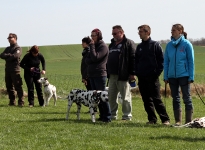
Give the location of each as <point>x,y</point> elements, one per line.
<point>125,92</point>
<point>158,104</point>
<point>112,96</point>
<point>10,88</point>
<point>30,87</point>
<point>17,80</point>
<point>145,91</point>
<point>39,91</point>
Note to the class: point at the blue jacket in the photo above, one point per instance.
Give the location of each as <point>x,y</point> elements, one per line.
<point>179,59</point>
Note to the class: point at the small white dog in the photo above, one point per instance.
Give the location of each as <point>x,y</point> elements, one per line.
<point>49,91</point>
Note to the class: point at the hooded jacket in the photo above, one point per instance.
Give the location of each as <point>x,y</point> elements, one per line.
<point>179,59</point>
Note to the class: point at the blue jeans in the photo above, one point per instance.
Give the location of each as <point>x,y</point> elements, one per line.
<point>98,83</point>
<point>182,82</point>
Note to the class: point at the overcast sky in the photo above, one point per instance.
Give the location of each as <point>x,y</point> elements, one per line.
<point>56,22</point>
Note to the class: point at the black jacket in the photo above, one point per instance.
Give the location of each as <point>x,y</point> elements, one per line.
<point>97,59</point>
<point>12,56</point>
<point>84,66</point>
<point>126,59</point>
<point>149,59</point>
<point>30,61</point>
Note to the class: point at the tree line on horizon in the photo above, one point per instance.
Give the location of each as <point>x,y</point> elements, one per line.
<point>197,42</point>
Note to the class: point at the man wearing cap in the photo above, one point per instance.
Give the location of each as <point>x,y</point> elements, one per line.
<point>13,79</point>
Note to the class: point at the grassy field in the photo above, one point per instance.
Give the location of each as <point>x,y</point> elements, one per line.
<point>46,128</point>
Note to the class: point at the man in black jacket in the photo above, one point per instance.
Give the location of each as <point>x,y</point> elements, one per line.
<point>13,79</point>
<point>121,69</point>
<point>149,65</point>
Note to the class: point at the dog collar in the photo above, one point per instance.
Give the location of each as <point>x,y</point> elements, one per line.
<point>46,85</point>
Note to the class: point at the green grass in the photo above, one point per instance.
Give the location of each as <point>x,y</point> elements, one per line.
<point>46,128</point>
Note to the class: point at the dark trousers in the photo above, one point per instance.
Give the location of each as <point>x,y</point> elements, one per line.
<point>182,82</point>
<point>14,82</point>
<point>98,83</point>
<point>150,91</point>
<point>30,81</point>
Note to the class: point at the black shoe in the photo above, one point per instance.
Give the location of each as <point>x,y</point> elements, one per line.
<point>107,121</point>
<point>100,119</point>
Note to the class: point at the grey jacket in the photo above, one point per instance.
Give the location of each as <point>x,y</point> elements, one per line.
<point>12,56</point>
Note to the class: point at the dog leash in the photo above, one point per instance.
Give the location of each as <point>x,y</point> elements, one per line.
<point>198,94</point>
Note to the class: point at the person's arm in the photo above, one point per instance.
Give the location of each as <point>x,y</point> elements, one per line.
<point>16,55</point>
<point>99,53</point>
<point>132,49</point>
<point>43,63</point>
<point>159,59</point>
<point>4,55</point>
<point>166,64</point>
<point>190,59</point>
<point>23,63</point>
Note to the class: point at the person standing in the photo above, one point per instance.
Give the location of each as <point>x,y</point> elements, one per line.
<point>31,65</point>
<point>179,72</point>
<point>84,66</point>
<point>97,73</point>
<point>149,65</point>
<point>121,70</point>
<point>13,78</point>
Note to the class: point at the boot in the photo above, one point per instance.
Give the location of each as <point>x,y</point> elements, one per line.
<point>188,114</point>
<point>178,117</point>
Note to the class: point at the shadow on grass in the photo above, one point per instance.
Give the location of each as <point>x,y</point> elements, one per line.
<point>177,138</point>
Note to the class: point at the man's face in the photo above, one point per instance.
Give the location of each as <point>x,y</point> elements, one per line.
<point>84,45</point>
<point>143,34</point>
<point>11,39</point>
<point>117,34</point>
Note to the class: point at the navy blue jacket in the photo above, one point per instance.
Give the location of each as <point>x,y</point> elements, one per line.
<point>149,59</point>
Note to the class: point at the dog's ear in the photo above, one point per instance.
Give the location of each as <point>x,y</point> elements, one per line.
<point>46,78</point>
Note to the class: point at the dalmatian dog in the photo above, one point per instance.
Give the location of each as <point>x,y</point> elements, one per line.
<point>88,98</point>
<point>49,91</point>
<point>196,123</point>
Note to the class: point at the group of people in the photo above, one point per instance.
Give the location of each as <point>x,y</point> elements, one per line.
<point>122,61</point>
<point>31,65</point>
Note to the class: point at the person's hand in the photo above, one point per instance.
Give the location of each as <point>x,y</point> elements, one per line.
<point>84,81</point>
<point>91,42</point>
<point>166,81</point>
<point>32,69</point>
<point>43,72</point>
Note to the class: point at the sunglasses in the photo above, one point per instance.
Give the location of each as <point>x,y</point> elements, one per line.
<point>9,37</point>
<point>114,33</point>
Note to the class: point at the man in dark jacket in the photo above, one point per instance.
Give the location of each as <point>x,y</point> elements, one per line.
<point>149,65</point>
<point>13,79</point>
<point>120,67</point>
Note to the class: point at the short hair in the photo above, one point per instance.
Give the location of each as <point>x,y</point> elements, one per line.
<point>119,27</point>
<point>98,33</point>
<point>145,28</point>
<point>13,35</point>
<point>34,49</point>
<point>86,40</point>
<point>180,27</point>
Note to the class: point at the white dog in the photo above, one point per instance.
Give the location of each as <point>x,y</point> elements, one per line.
<point>88,98</point>
<point>49,91</point>
<point>196,123</point>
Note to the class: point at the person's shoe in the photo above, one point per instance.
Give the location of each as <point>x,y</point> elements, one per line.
<point>21,105</point>
<point>176,124</point>
<point>30,106</point>
<point>100,119</point>
<point>151,122</point>
<point>106,121</point>
<point>11,104</point>
<point>167,123</point>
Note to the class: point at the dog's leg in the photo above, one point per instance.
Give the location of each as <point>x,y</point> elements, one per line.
<point>48,99</point>
<point>92,114</point>
<point>69,106</point>
<point>78,110</point>
<point>55,98</point>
